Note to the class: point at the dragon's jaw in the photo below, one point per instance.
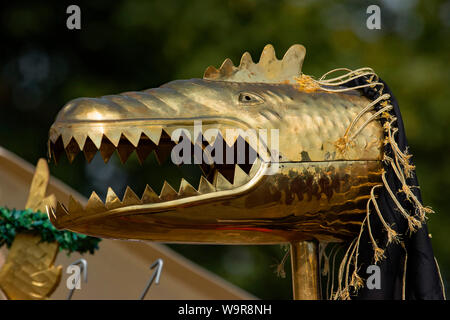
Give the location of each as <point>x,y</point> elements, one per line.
<point>145,136</point>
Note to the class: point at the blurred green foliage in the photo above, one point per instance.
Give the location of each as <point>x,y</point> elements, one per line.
<point>137,44</point>
<point>13,222</point>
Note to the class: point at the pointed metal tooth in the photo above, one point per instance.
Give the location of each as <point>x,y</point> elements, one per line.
<point>113,135</point>
<point>124,149</point>
<point>112,201</point>
<point>149,196</point>
<point>130,198</point>
<point>144,148</point>
<point>205,186</point>
<point>95,204</point>
<point>211,139</point>
<point>227,171</point>
<point>133,135</point>
<point>267,55</point>
<point>89,149</point>
<point>80,138</point>
<point>231,136</point>
<point>154,133</point>
<point>74,205</point>
<point>255,167</point>
<point>240,177</point>
<point>221,183</point>
<point>107,149</point>
<point>66,138</point>
<point>96,137</point>
<point>187,133</point>
<point>167,192</point>
<point>169,131</point>
<point>186,189</point>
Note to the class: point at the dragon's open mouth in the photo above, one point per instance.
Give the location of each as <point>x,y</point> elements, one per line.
<point>226,164</point>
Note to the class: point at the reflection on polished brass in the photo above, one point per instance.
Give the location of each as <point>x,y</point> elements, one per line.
<point>305,270</point>
<point>29,271</point>
<point>322,200</point>
<point>319,192</point>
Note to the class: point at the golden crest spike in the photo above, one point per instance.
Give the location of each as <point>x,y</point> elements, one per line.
<point>149,196</point>
<point>186,189</point>
<point>112,201</point>
<point>130,198</point>
<point>246,60</point>
<point>267,55</point>
<point>205,186</point>
<point>210,73</point>
<point>268,70</point>
<point>227,67</point>
<point>95,203</point>
<point>293,59</point>
<point>167,192</point>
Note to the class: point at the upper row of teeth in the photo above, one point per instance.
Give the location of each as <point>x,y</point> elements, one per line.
<point>134,134</point>
<point>167,193</point>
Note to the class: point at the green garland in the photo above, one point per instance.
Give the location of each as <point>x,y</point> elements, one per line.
<point>14,221</point>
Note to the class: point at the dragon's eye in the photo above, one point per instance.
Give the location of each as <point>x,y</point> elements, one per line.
<point>249,98</point>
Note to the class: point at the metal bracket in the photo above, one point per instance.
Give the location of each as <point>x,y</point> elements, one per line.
<point>155,276</point>
<point>84,269</point>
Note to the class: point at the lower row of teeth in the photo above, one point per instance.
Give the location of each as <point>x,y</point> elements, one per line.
<point>167,193</point>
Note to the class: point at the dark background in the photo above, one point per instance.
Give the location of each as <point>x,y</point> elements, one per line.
<point>137,44</point>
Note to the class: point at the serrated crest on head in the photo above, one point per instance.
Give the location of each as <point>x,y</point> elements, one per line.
<point>269,69</point>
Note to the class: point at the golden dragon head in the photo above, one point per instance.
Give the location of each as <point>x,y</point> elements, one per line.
<point>272,144</point>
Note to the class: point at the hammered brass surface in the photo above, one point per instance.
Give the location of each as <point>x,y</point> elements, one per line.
<point>28,272</point>
<point>309,123</point>
<point>320,191</point>
<point>321,200</point>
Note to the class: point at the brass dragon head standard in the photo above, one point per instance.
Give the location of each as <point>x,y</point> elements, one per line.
<point>305,175</point>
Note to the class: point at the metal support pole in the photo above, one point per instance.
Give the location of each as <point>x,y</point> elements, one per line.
<point>305,270</point>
